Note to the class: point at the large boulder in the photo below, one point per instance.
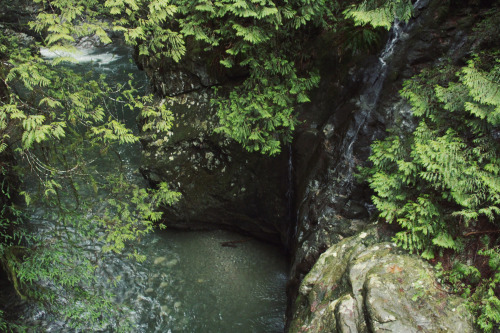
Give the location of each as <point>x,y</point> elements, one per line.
<point>364,284</point>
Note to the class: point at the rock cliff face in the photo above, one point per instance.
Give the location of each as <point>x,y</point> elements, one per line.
<point>354,109</point>
<point>343,290</point>
<point>222,185</point>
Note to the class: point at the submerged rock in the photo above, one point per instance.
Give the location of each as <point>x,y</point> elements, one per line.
<point>364,284</point>
<point>159,260</point>
<point>172,263</point>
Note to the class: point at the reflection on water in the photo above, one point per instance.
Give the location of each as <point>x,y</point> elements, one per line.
<point>189,281</point>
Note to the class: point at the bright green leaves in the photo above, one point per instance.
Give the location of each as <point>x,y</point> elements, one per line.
<point>157,124</point>
<point>252,34</point>
<point>157,120</point>
<point>69,273</point>
<point>239,32</point>
<point>65,101</point>
<point>250,118</point>
<point>260,113</point>
<point>484,88</point>
<point>161,10</point>
<point>396,178</point>
<point>59,122</point>
<point>35,131</point>
<point>145,24</point>
<point>32,74</point>
<point>380,15</point>
<point>131,212</point>
<point>444,175</point>
<point>62,20</point>
<point>113,131</point>
<point>263,38</point>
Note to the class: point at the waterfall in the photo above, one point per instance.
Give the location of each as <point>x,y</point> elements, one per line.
<point>292,223</point>
<point>374,81</point>
<point>396,32</point>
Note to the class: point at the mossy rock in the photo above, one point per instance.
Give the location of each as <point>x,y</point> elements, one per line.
<point>364,284</point>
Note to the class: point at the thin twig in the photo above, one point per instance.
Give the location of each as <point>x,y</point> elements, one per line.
<point>481,232</point>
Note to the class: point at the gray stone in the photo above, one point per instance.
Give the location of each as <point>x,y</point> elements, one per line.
<point>159,260</point>
<point>222,185</point>
<point>372,286</point>
<point>347,315</point>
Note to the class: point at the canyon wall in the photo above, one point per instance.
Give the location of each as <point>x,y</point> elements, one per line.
<point>308,197</point>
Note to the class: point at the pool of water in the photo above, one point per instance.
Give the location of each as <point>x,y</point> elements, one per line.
<point>191,283</point>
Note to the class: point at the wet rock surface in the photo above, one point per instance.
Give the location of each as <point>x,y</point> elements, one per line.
<point>15,14</point>
<point>366,284</point>
<point>196,71</point>
<point>353,107</point>
<point>222,185</point>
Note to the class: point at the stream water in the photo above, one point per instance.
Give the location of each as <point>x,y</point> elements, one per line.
<point>189,281</point>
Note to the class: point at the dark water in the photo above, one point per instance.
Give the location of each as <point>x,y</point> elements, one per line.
<point>189,281</point>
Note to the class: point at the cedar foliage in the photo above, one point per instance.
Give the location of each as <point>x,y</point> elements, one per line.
<point>58,122</point>
<point>268,39</point>
<point>443,177</point>
<point>264,38</point>
<point>380,13</point>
